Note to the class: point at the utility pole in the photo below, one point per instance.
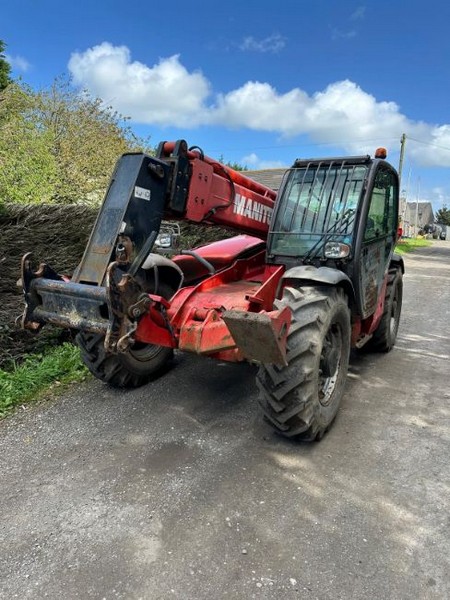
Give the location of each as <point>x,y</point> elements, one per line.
<point>402,156</point>
<point>405,206</point>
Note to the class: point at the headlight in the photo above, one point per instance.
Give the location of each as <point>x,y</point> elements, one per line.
<point>164,240</point>
<point>336,250</point>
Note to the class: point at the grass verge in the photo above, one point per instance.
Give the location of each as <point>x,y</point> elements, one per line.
<point>38,374</point>
<point>410,244</point>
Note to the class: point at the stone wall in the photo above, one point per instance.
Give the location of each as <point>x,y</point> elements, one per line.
<point>57,235</point>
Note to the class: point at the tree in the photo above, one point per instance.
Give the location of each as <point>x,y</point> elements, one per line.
<point>87,138</point>
<point>237,166</point>
<point>59,145</point>
<point>5,67</point>
<point>443,216</point>
<point>27,165</point>
<point>233,165</point>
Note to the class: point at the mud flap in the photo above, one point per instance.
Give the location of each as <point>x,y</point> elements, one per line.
<point>260,336</point>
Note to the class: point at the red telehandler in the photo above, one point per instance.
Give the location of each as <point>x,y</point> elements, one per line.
<point>312,275</point>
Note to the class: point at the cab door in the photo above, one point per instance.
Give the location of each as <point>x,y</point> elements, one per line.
<point>379,236</point>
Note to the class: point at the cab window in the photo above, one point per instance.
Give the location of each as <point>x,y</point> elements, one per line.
<point>381,216</point>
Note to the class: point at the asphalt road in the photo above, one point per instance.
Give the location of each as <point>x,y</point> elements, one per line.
<point>180,490</point>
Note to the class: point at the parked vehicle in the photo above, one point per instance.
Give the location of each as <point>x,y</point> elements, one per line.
<point>314,275</point>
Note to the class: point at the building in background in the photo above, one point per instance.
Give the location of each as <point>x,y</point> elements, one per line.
<point>269,177</point>
<point>416,216</point>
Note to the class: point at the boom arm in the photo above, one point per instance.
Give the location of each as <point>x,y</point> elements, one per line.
<point>179,184</point>
<point>217,194</point>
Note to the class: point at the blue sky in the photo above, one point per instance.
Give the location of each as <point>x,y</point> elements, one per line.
<point>260,83</point>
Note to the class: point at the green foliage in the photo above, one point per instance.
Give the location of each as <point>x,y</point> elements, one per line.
<point>27,165</point>
<point>58,145</point>
<point>237,166</point>
<point>233,165</point>
<point>38,373</point>
<point>86,139</point>
<point>443,216</point>
<point>406,245</point>
<point>5,68</point>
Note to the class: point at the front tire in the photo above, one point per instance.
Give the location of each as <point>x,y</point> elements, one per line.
<point>140,364</point>
<point>136,367</point>
<point>301,400</point>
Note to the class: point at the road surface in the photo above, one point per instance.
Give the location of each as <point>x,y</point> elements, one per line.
<point>180,490</point>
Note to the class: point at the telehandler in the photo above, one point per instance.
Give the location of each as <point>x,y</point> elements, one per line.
<point>311,275</point>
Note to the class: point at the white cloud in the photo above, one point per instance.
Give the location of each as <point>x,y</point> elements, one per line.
<point>164,94</point>
<point>259,106</point>
<point>273,43</point>
<point>358,14</point>
<point>439,197</point>
<point>18,62</point>
<point>167,94</point>
<point>347,34</point>
<point>253,162</point>
<point>338,34</point>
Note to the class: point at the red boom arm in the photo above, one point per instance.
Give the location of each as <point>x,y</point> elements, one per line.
<point>220,195</point>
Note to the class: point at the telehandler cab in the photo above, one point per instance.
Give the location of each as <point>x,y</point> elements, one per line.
<point>312,274</point>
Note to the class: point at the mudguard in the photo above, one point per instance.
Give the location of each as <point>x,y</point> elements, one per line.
<point>397,262</point>
<point>326,275</point>
<point>218,255</point>
<point>170,272</point>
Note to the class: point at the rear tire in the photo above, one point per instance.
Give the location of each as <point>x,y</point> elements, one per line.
<point>301,400</point>
<point>385,335</point>
<point>136,367</point>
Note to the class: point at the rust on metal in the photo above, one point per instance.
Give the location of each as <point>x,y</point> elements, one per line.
<point>260,336</point>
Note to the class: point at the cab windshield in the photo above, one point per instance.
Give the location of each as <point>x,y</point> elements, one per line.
<point>317,204</point>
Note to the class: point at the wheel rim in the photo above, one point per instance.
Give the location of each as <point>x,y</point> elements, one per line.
<point>330,361</point>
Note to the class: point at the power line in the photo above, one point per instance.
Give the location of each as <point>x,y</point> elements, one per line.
<point>428,143</point>
<point>334,143</point>
<point>330,143</point>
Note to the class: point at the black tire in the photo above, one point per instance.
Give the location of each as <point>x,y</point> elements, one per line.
<point>142,362</point>
<point>301,400</point>
<point>385,335</point>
